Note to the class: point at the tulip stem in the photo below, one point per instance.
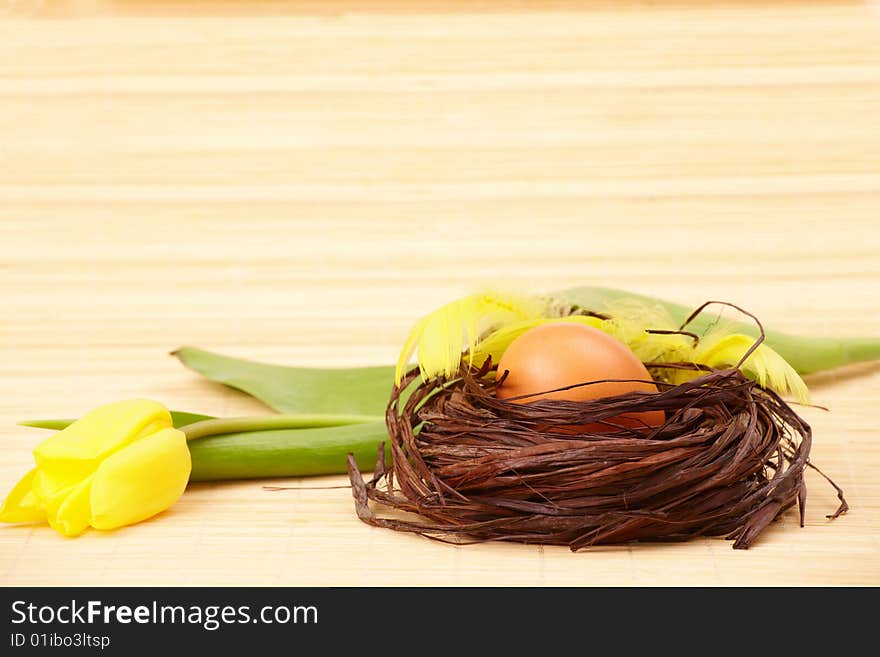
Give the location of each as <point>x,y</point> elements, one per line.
<point>269,422</point>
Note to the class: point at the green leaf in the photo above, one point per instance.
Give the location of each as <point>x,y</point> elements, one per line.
<point>344,391</point>
<point>285,452</point>
<point>180,419</point>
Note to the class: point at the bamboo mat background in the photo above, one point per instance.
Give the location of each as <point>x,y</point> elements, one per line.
<point>297,182</point>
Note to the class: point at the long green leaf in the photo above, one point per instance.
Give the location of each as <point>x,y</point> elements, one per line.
<point>285,453</point>
<point>344,391</point>
<point>180,419</point>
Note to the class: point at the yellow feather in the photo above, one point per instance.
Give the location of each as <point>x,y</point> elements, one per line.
<point>630,318</point>
<point>718,348</point>
<point>443,335</point>
<point>764,365</point>
<point>639,313</point>
<point>483,325</point>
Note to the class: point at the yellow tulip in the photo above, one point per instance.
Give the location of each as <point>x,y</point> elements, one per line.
<point>117,465</point>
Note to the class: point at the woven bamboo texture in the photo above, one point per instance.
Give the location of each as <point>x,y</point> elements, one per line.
<point>297,182</point>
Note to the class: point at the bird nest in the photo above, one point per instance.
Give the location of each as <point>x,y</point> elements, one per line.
<point>728,460</point>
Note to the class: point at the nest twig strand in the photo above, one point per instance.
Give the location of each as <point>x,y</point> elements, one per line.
<point>729,459</point>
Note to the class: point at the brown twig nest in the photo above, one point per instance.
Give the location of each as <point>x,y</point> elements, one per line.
<point>728,460</point>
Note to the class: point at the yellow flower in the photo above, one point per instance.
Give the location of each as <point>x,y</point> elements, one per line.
<point>115,466</point>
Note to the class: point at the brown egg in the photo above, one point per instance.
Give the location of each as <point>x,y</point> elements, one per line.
<point>561,354</point>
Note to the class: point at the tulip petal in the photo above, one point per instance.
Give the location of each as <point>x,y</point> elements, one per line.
<point>141,480</point>
<point>71,515</point>
<point>22,505</point>
<point>103,431</point>
<point>55,479</point>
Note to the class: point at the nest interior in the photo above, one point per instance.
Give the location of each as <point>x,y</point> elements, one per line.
<point>729,459</point>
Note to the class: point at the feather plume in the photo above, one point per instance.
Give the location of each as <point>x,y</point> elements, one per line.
<point>719,347</point>
<point>443,335</point>
<point>629,322</point>
<point>480,326</point>
<point>764,365</point>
